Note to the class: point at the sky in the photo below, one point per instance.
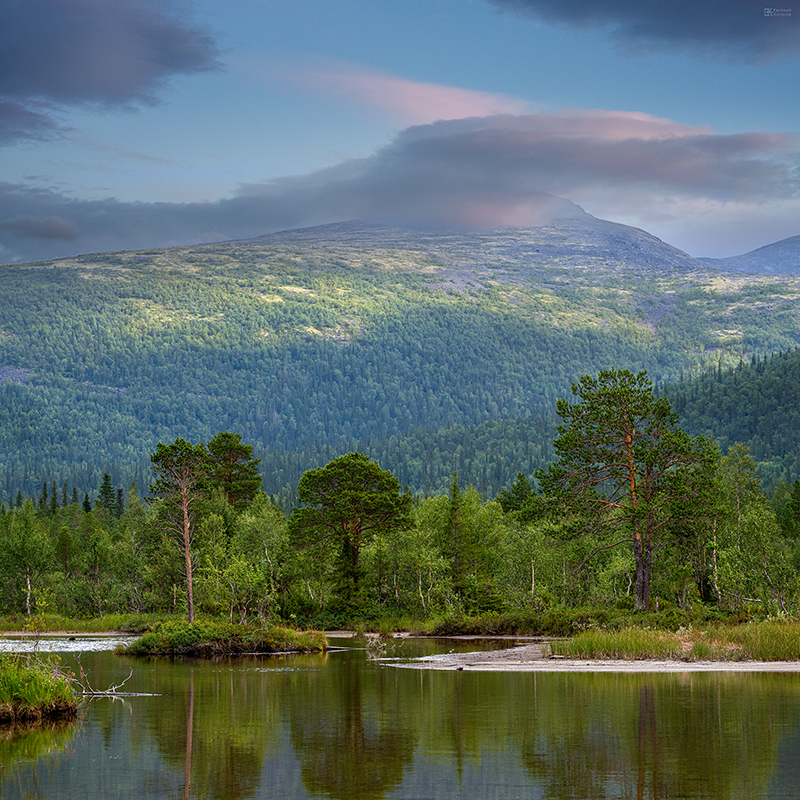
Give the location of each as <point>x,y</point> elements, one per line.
<point>148,123</point>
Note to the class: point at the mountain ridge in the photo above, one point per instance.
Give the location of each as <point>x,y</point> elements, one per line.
<point>778,258</point>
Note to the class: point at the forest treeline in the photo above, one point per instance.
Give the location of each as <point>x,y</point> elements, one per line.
<point>311,353</point>
<point>713,539</point>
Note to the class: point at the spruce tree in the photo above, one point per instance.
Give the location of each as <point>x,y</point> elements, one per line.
<point>106,497</point>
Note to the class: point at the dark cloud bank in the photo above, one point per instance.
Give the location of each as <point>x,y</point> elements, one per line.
<point>479,173</point>
<point>60,53</point>
<point>738,31</point>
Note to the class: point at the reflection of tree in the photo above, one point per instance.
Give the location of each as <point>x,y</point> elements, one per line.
<point>657,736</point>
<point>219,728</point>
<point>187,774</point>
<point>352,731</point>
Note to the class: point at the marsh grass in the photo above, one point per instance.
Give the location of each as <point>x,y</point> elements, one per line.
<point>32,688</point>
<point>629,644</point>
<point>207,639</point>
<point>54,623</point>
<point>770,640</point>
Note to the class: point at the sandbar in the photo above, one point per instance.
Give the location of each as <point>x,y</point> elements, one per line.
<point>534,658</point>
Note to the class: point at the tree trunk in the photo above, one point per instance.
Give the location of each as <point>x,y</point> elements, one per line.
<point>188,558</point>
<point>28,590</point>
<point>642,552</point>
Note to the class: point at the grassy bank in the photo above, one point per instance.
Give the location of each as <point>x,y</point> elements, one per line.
<point>55,623</point>
<point>755,641</point>
<point>31,689</point>
<point>205,639</point>
<point>557,621</point>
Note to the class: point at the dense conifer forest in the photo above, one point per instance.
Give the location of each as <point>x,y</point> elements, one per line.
<point>430,353</point>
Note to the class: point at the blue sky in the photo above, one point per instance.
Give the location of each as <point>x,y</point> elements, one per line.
<point>139,123</point>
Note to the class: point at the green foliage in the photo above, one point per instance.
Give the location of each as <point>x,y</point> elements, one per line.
<point>232,468</point>
<point>757,404</point>
<point>349,501</point>
<point>623,459</point>
<point>205,638</point>
<point>33,689</point>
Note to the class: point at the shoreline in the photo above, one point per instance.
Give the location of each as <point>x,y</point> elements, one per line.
<point>531,658</point>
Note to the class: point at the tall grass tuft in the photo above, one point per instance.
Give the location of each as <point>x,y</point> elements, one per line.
<point>772,640</point>
<point>32,689</point>
<point>629,643</point>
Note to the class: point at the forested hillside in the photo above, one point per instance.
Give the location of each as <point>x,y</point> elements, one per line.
<point>430,352</point>
<point>756,403</point>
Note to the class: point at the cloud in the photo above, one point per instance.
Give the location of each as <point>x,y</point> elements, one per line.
<point>38,228</point>
<point>56,53</point>
<point>468,174</point>
<point>739,31</point>
<point>405,101</point>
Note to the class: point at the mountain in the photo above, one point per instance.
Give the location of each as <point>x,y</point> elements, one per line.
<point>434,351</point>
<point>579,240</point>
<point>778,258</point>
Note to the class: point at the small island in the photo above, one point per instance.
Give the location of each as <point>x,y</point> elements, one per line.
<point>206,639</point>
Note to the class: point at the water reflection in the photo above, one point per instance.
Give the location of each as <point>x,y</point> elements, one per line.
<point>353,733</point>
<point>343,727</point>
<point>712,735</point>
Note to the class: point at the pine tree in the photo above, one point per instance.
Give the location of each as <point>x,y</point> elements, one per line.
<point>106,497</point>
<point>53,501</point>
<point>232,468</point>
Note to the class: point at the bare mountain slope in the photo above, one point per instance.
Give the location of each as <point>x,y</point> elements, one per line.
<point>778,258</point>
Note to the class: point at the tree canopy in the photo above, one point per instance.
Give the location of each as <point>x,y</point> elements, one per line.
<point>349,500</point>
<point>619,452</point>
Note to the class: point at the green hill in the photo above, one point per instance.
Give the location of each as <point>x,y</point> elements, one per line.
<point>757,403</point>
<point>310,343</point>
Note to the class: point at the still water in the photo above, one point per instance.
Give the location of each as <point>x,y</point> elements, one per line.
<point>344,725</point>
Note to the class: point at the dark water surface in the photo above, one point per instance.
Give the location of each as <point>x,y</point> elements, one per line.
<point>343,725</point>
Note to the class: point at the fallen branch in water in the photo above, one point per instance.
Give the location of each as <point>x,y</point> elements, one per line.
<point>86,689</point>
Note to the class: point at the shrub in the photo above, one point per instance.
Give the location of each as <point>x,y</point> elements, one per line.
<point>205,638</point>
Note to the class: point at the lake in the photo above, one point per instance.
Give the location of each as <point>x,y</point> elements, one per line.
<point>347,725</point>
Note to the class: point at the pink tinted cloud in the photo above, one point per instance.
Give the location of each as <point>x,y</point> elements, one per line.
<point>407,102</point>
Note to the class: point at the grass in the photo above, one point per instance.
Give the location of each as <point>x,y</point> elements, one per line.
<point>628,644</point>
<point>52,623</point>
<point>207,639</point>
<point>770,640</point>
<point>33,689</point>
